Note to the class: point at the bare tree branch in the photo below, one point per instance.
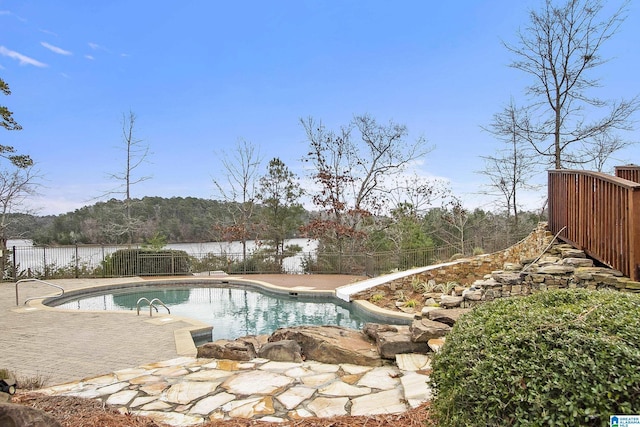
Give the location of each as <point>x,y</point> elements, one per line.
<point>559,49</point>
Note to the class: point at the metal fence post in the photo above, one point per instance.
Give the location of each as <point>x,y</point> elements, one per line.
<point>15,268</point>
<point>44,260</point>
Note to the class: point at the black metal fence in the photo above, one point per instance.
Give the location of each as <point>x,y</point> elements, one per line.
<point>95,261</point>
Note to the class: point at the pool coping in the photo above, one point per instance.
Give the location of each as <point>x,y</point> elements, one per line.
<point>184,337</point>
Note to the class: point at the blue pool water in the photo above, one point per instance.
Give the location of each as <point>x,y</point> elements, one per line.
<point>232,311</point>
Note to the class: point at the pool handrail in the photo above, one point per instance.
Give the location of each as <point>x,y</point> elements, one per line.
<point>39,281</point>
<point>151,305</point>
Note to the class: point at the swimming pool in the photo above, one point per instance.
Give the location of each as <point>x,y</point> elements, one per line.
<point>233,310</point>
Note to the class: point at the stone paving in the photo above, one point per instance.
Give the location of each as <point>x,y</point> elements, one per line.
<point>60,346</point>
<point>76,349</point>
<point>189,391</point>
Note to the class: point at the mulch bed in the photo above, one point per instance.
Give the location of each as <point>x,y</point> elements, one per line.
<point>78,412</point>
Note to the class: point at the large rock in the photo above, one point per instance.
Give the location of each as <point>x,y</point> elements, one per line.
<point>19,415</point>
<point>578,262</point>
<point>447,316</point>
<point>506,278</point>
<point>556,269</point>
<point>257,341</point>
<point>331,344</point>
<point>392,340</point>
<point>225,349</point>
<point>572,253</point>
<point>450,301</point>
<point>281,351</point>
<point>422,330</point>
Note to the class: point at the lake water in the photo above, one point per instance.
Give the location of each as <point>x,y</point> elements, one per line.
<point>37,258</point>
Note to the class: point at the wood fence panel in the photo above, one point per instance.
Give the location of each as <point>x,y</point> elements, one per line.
<point>600,214</point>
<point>629,172</point>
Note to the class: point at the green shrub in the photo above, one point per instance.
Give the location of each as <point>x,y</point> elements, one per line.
<point>376,297</point>
<point>147,262</point>
<point>562,358</point>
<point>411,303</point>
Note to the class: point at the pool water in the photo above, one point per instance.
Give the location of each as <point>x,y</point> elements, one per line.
<point>233,312</point>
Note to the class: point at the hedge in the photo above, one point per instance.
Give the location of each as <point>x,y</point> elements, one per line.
<point>562,358</point>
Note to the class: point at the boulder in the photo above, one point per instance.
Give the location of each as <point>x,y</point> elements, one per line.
<point>548,260</point>
<point>511,266</point>
<point>225,349</point>
<point>556,269</point>
<point>506,278</point>
<point>331,344</point>
<point>281,351</point>
<point>450,301</point>
<point>572,253</point>
<point>578,262</point>
<point>392,340</point>
<point>472,294</point>
<point>372,330</point>
<point>436,344</point>
<point>257,341</point>
<point>423,330</point>
<point>12,415</point>
<point>449,316</point>
<point>426,310</point>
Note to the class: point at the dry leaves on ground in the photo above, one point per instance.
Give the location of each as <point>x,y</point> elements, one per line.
<point>78,412</point>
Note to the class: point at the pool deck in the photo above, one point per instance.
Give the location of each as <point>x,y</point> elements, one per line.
<point>146,365</point>
<point>60,346</point>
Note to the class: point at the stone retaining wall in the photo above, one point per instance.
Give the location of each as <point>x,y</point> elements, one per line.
<point>532,265</point>
<point>467,271</point>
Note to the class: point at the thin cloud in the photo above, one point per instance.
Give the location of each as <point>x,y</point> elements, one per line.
<point>9,13</point>
<point>96,46</point>
<point>50,33</point>
<point>22,59</point>
<point>55,49</point>
<point>90,57</point>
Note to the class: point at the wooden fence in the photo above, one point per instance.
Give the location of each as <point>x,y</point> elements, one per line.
<point>601,215</point>
<point>629,172</point>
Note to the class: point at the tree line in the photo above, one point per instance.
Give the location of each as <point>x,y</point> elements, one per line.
<point>196,220</point>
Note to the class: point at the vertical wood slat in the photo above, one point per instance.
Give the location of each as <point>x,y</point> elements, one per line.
<point>629,172</point>
<point>601,214</point>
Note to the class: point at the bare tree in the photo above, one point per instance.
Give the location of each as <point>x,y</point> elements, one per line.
<point>136,153</point>
<point>239,189</point>
<point>354,168</point>
<point>559,49</point>
<point>415,195</point>
<point>456,218</point>
<point>510,169</point>
<point>603,148</point>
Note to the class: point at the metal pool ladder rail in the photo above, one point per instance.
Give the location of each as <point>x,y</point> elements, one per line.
<point>39,281</point>
<point>151,305</point>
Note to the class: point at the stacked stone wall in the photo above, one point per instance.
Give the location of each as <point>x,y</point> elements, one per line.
<point>533,265</point>
<point>467,271</point>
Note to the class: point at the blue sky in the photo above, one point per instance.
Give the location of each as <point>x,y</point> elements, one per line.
<point>199,75</point>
